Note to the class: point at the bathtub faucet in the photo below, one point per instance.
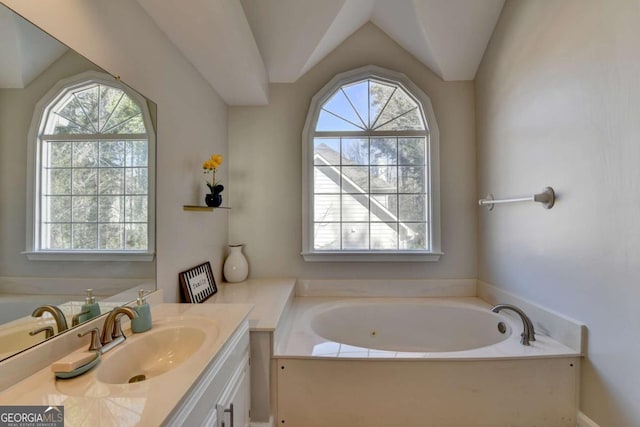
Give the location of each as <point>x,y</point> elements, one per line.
<point>528,334</point>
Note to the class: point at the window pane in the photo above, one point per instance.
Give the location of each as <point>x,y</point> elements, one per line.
<point>384,207</point>
<point>326,179</point>
<point>412,207</point>
<point>355,207</point>
<point>136,181</point>
<point>384,151</point>
<point>112,153</point>
<point>399,104</point>
<point>126,118</point>
<point>411,179</point>
<point>85,208</point>
<point>413,236</point>
<point>85,181</point>
<point>378,97</point>
<point>84,236</point>
<point>411,151</point>
<point>111,209</point>
<point>331,122</point>
<point>111,181</point>
<point>58,209</point>
<point>355,179</point>
<point>326,208</point>
<point>109,98</point>
<point>326,151</point>
<point>355,151</point>
<point>137,153</point>
<point>136,236</point>
<point>59,154</point>
<point>111,236</point>
<point>384,179</point>
<point>57,236</point>
<point>135,209</point>
<point>85,154</point>
<point>355,236</point>
<point>326,236</point>
<point>88,99</point>
<point>339,105</point>
<point>384,236</point>
<point>59,181</point>
<point>358,94</point>
<point>74,116</point>
<point>411,120</point>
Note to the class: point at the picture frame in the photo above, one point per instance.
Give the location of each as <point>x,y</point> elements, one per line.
<point>197,283</point>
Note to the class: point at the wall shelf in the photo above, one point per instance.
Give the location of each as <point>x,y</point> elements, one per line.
<point>198,208</point>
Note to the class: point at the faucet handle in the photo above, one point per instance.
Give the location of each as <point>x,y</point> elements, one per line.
<point>48,332</point>
<point>95,341</point>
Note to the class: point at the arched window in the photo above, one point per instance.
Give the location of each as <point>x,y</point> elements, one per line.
<point>92,180</point>
<point>370,148</point>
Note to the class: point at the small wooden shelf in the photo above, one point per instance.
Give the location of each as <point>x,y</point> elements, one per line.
<point>197,208</point>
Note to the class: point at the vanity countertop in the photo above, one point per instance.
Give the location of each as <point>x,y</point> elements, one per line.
<point>87,401</point>
<point>269,297</point>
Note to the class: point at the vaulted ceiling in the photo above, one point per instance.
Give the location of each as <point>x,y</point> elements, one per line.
<point>241,46</point>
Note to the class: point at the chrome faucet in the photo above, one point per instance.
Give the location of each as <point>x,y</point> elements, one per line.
<point>112,330</point>
<point>58,315</point>
<point>528,334</point>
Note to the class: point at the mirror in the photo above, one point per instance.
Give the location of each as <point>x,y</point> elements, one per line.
<point>34,62</point>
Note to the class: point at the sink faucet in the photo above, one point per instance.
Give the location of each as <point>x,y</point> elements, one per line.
<point>112,330</point>
<point>528,334</point>
<point>58,315</point>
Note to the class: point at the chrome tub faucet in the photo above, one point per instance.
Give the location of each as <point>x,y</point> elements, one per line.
<point>528,334</point>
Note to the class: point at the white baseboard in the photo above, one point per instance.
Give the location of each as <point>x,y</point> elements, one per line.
<point>270,423</point>
<point>584,421</point>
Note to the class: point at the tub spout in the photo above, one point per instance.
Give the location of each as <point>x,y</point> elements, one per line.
<point>528,334</point>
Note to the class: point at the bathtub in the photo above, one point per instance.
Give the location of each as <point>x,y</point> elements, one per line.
<point>418,362</point>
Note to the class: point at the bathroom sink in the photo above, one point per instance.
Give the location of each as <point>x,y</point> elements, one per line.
<point>149,355</point>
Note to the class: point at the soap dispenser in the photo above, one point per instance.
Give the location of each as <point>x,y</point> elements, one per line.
<point>142,323</point>
<point>89,309</point>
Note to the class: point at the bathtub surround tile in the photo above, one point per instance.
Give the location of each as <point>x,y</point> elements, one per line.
<point>386,288</point>
<point>569,332</point>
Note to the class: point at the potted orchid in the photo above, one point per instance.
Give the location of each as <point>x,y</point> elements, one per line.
<point>209,167</point>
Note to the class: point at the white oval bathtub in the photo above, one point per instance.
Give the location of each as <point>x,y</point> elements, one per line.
<point>409,327</point>
<point>380,362</point>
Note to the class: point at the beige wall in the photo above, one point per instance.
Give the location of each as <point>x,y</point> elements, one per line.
<point>558,98</point>
<point>266,172</point>
<point>120,37</point>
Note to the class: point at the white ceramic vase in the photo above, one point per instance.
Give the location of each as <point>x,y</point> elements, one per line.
<point>236,267</point>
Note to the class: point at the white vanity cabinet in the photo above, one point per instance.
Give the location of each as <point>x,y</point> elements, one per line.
<point>221,396</point>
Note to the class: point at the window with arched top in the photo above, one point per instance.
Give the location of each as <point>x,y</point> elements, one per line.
<point>370,165</point>
<point>91,172</point>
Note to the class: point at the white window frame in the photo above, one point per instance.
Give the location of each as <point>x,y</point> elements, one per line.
<point>432,179</point>
<point>34,159</point>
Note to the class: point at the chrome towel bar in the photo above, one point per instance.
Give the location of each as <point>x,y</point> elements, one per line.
<point>547,198</point>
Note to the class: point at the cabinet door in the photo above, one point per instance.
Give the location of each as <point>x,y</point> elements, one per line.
<point>233,407</point>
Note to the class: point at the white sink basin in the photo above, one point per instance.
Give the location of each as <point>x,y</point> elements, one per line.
<point>151,354</point>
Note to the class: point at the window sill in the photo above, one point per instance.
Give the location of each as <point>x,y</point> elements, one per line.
<point>89,256</point>
<point>413,256</point>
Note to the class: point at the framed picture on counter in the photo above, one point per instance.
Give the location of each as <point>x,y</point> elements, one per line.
<point>197,283</point>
